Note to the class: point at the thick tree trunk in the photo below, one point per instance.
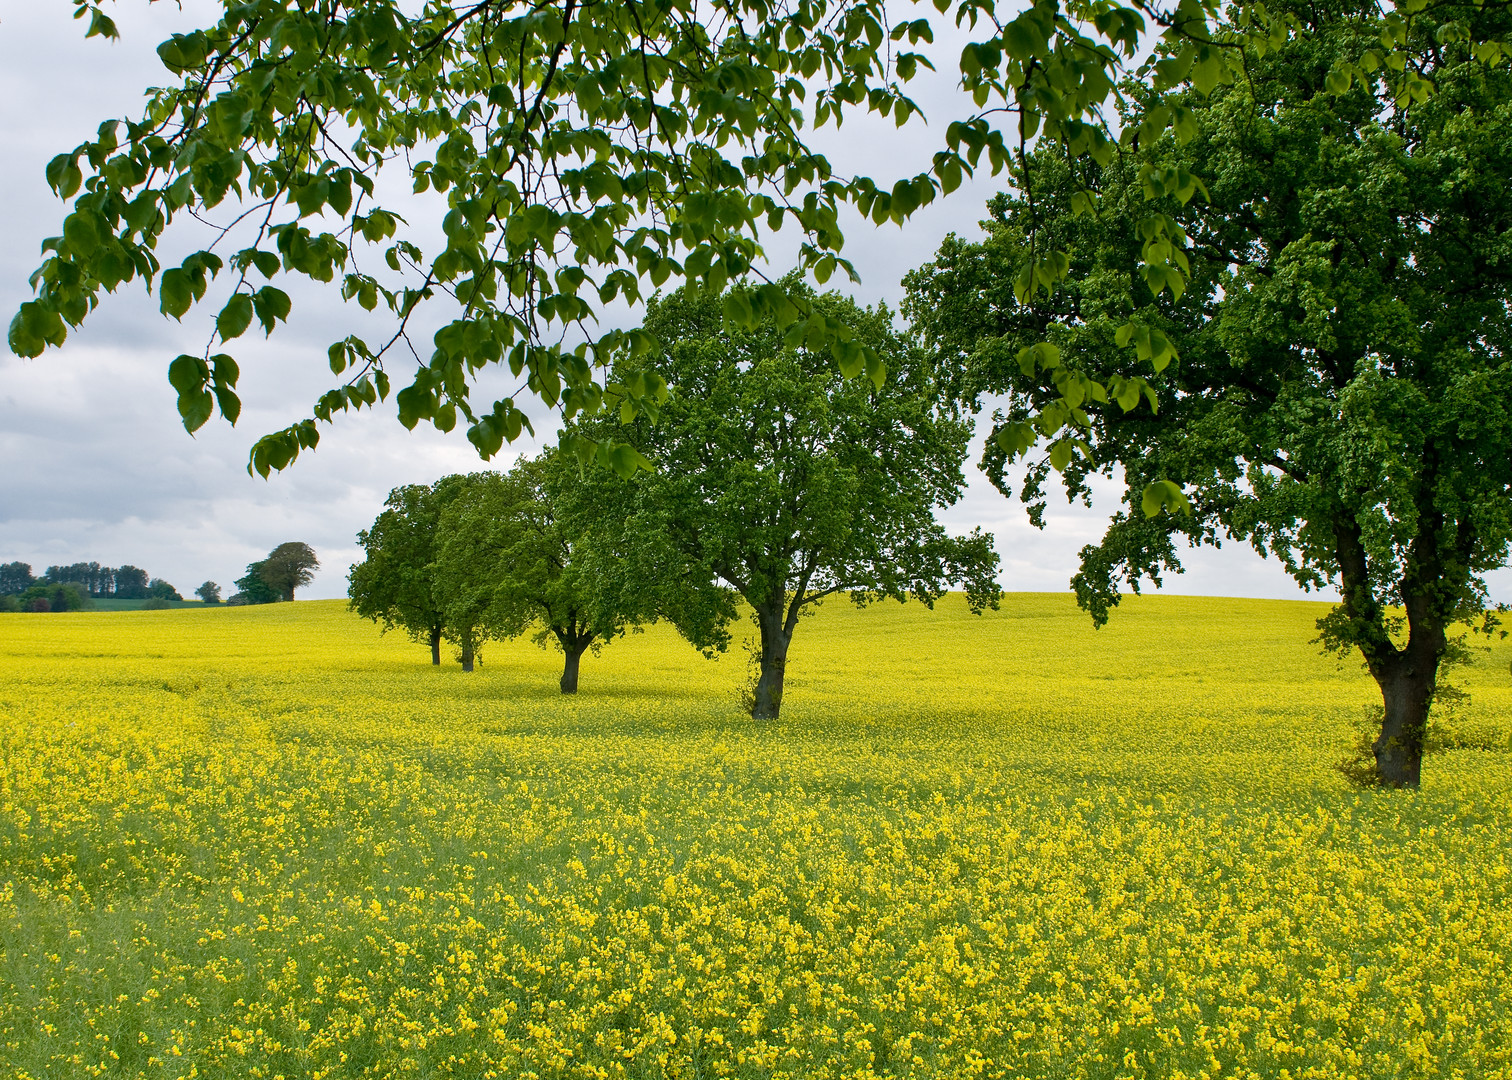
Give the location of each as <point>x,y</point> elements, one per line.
<point>467,653</point>
<point>1406,693</point>
<point>570,668</point>
<point>435,644</point>
<point>775,638</point>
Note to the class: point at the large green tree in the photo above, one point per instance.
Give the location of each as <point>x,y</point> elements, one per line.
<point>579,152</point>
<point>393,584</point>
<point>780,479</point>
<point>1343,397</point>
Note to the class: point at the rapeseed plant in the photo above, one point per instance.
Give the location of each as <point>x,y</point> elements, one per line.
<point>267,842</point>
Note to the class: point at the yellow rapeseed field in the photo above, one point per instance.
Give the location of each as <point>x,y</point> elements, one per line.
<point>271,843</point>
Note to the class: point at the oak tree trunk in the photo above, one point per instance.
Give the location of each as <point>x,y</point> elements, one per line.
<point>435,644</point>
<point>775,638</point>
<point>1407,693</point>
<point>570,668</point>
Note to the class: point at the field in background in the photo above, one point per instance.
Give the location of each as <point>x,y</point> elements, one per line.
<point>136,605</point>
<point>263,842</point>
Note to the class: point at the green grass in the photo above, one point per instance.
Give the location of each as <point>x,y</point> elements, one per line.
<point>268,841</point>
<point>136,605</point>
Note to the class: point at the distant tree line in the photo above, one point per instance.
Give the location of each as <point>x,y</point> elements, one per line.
<point>76,586</point>
<point>772,479</point>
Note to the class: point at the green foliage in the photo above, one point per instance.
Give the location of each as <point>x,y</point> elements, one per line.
<point>508,561</point>
<point>15,578</point>
<point>253,588</point>
<point>9,604</point>
<point>583,154</point>
<point>156,603</point>
<point>289,566</point>
<point>463,578</point>
<point>131,583</point>
<point>393,584</point>
<point>1343,399</point>
<point>779,478</point>
<point>158,589</point>
<point>55,597</point>
<point>209,593</point>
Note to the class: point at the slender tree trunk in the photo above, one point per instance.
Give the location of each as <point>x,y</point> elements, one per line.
<point>775,638</point>
<point>435,644</point>
<point>467,651</point>
<point>570,668</point>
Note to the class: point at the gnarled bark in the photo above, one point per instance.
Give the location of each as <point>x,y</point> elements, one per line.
<point>1406,694</point>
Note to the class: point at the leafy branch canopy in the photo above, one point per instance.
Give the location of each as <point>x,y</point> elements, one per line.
<point>588,152</point>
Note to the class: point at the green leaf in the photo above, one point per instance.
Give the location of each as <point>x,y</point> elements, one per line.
<point>81,233</point>
<point>849,357</point>
<point>175,292</point>
<point>34,328</point>
<point>1164,495</point>
<point>235,317</point>
<point>737,309</point>
<point>270,305</point>
<point>63,175</point>
<point>188,375</point>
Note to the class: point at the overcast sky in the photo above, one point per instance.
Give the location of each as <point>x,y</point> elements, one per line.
<point>94,464</point>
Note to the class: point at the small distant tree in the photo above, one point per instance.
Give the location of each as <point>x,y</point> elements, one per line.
<point>393,585</point>
<point>158,589</point>
<point>463,577</point>
<point>15,578</point>
<point>289,566</point>
<point>507,549</point>
<point>782,479</point>
<point>131,583</point>
<point>253,589</point>
<point>209,592</point>
<point>156,603</point>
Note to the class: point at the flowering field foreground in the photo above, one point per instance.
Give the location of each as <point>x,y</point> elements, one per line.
<point>267,842</point>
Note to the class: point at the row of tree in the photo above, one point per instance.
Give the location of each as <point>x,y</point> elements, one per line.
<point>773,480</point>
<point>1252,251</point>
<point>287,567</point>
<point>75,587</point>
<point>89,579</point>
